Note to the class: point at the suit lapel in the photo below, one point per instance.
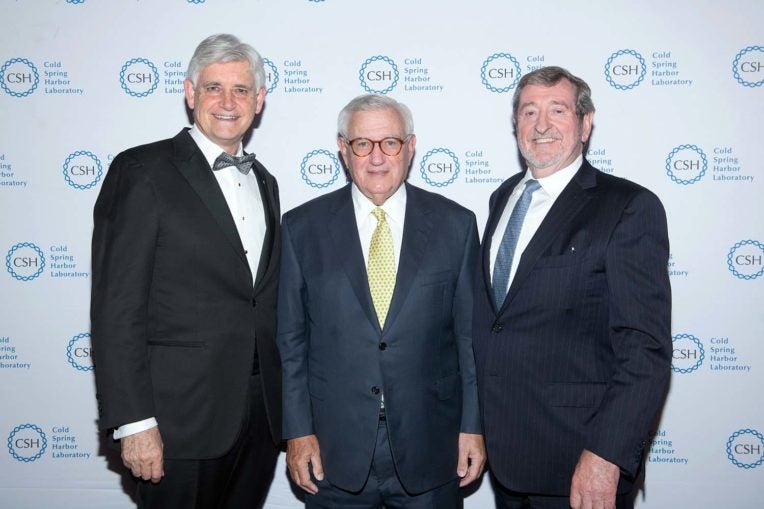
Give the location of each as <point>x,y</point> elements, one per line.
<point>270,207</point>
<point>343,230</point>
<point>416,232</point>
<point>570,202</point>
<point>190,162</point>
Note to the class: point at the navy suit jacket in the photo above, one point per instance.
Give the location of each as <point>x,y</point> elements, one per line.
<point>579,355</point>
<point>335,356</point>
<point>175,309</point>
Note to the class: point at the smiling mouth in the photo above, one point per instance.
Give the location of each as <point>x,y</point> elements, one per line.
<point>225,117</point>
<point>545,140</point>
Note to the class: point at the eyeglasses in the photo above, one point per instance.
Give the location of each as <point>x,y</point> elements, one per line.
<point>390,146</point>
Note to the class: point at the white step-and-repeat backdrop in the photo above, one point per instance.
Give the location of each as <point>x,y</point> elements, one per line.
<point>679,91</point>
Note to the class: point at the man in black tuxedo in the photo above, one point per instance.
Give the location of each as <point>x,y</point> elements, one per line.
<point>186,253</point>
<point>375,319</point>
<point>572,313</point>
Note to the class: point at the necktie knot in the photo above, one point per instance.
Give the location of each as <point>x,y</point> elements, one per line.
<point>379,213</point>
<point>242,163</point>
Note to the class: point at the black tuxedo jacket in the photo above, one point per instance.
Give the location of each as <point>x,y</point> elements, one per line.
<point>337,360</point>
<point>579,355</point>
<point>175,310</point>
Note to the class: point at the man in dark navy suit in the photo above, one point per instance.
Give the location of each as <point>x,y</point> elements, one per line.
<point>572,313</point>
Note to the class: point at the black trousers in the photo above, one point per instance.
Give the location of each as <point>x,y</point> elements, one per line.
<point>240,479</point>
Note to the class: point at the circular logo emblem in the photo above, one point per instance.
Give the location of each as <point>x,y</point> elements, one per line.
<point>625,69</point>
<point>82,170</point>
<point>79,352</point>
<point>320,168</point>
<point>748,66</point>
<point>19,77</point>
<point>745,448</point>
<point>439,167</point>
<point>27,442</point>
<point>75,2</point>
<point>746,259</point>
<point>378,75</point>
<point>688,353</point>
<point>25,261</point>
<point>271,76</point>
<point>500,72</point>
<point>197,2</point>
<point>139,77</point>
<point>686,164</point>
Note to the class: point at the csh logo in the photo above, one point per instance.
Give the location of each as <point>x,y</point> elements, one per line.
<point>139,77</point>
<point>500,72</point>
<point>27,443</point>
<point>688,354</point>
<point>439,167</point>
<point>82,170</point>
<point>25,261</point>
<point>271,76</point>
<point>746,259</point>
<point>320,168</point>
<point>748,66</point>
<point>686,164</point>
<point>79,352</point>
<point>378,75</point>
<point>19,77</point>
<point>745,448</point>
<point>625,69</point>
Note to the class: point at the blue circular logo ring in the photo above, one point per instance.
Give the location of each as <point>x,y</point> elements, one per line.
<point>642,65</point>
<point>95,180</point>
<point>731,456</point>
<point>75,2</point>
<point>484,78</point>
<point>700,347</point>
<point>13,250</point>
<point>153,71</point>
<point>731,266</point>
<point>27,459</point>
<point>304,172</point>
<point>670,158</point>
<point>423,165</point>
<point>197,2</point>
<point>275,72</point>
<point>373,59</point>
<point>31,66</point>
<point>735,66</point>
<point>70,355</point>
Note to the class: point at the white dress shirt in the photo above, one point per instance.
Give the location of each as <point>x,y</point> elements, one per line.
<point>541,202</point>
<point>242,194</point>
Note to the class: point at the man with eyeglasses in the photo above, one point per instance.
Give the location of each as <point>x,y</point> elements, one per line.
<point>375,314</point>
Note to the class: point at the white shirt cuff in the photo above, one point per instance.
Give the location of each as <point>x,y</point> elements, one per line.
<point>134,427</point>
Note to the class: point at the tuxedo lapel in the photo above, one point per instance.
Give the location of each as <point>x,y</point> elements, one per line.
<point>190,162</point>
<point>570,202</point>
<point>417,228</point>
<point>268,195</point>
<point>343,231</point>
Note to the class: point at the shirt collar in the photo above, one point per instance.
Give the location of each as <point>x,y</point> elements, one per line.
<point>210,150</point>
<point>394,207</point>
<point>556,182</point>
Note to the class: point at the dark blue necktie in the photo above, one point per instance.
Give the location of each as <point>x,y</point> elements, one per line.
<point>242,163</point>
<point>503,264</point>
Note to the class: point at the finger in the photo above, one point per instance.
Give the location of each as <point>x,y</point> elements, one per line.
<point>318,467</point>
<point>305,482</point>
<point>575,500</point>
<point>462,465</point>
<point>468,478</point>
<point>157,472</point>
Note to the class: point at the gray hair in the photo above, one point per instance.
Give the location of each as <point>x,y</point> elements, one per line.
<point>550,76</point>
<point>373,102</point>
<point>224,48</point>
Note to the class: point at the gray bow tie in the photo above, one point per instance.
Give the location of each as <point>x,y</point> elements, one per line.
<point>243,163</point>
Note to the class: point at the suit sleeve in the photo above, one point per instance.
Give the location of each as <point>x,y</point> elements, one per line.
<point>293,341</point>
<point>124,241</point>
<point>636,266</point>
<point>462,312</point>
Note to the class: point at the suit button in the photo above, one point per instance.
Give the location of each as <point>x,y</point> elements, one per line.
<point>497,327</point>
<point>375,390</point>
<point>382,345</point>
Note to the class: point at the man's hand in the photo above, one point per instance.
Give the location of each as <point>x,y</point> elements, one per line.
<point>471,458</point>
<point>594,483</point>
<point>142,454</point>
<point>301,452</point>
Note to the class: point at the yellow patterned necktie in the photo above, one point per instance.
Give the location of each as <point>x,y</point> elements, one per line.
<point>381,270</point>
